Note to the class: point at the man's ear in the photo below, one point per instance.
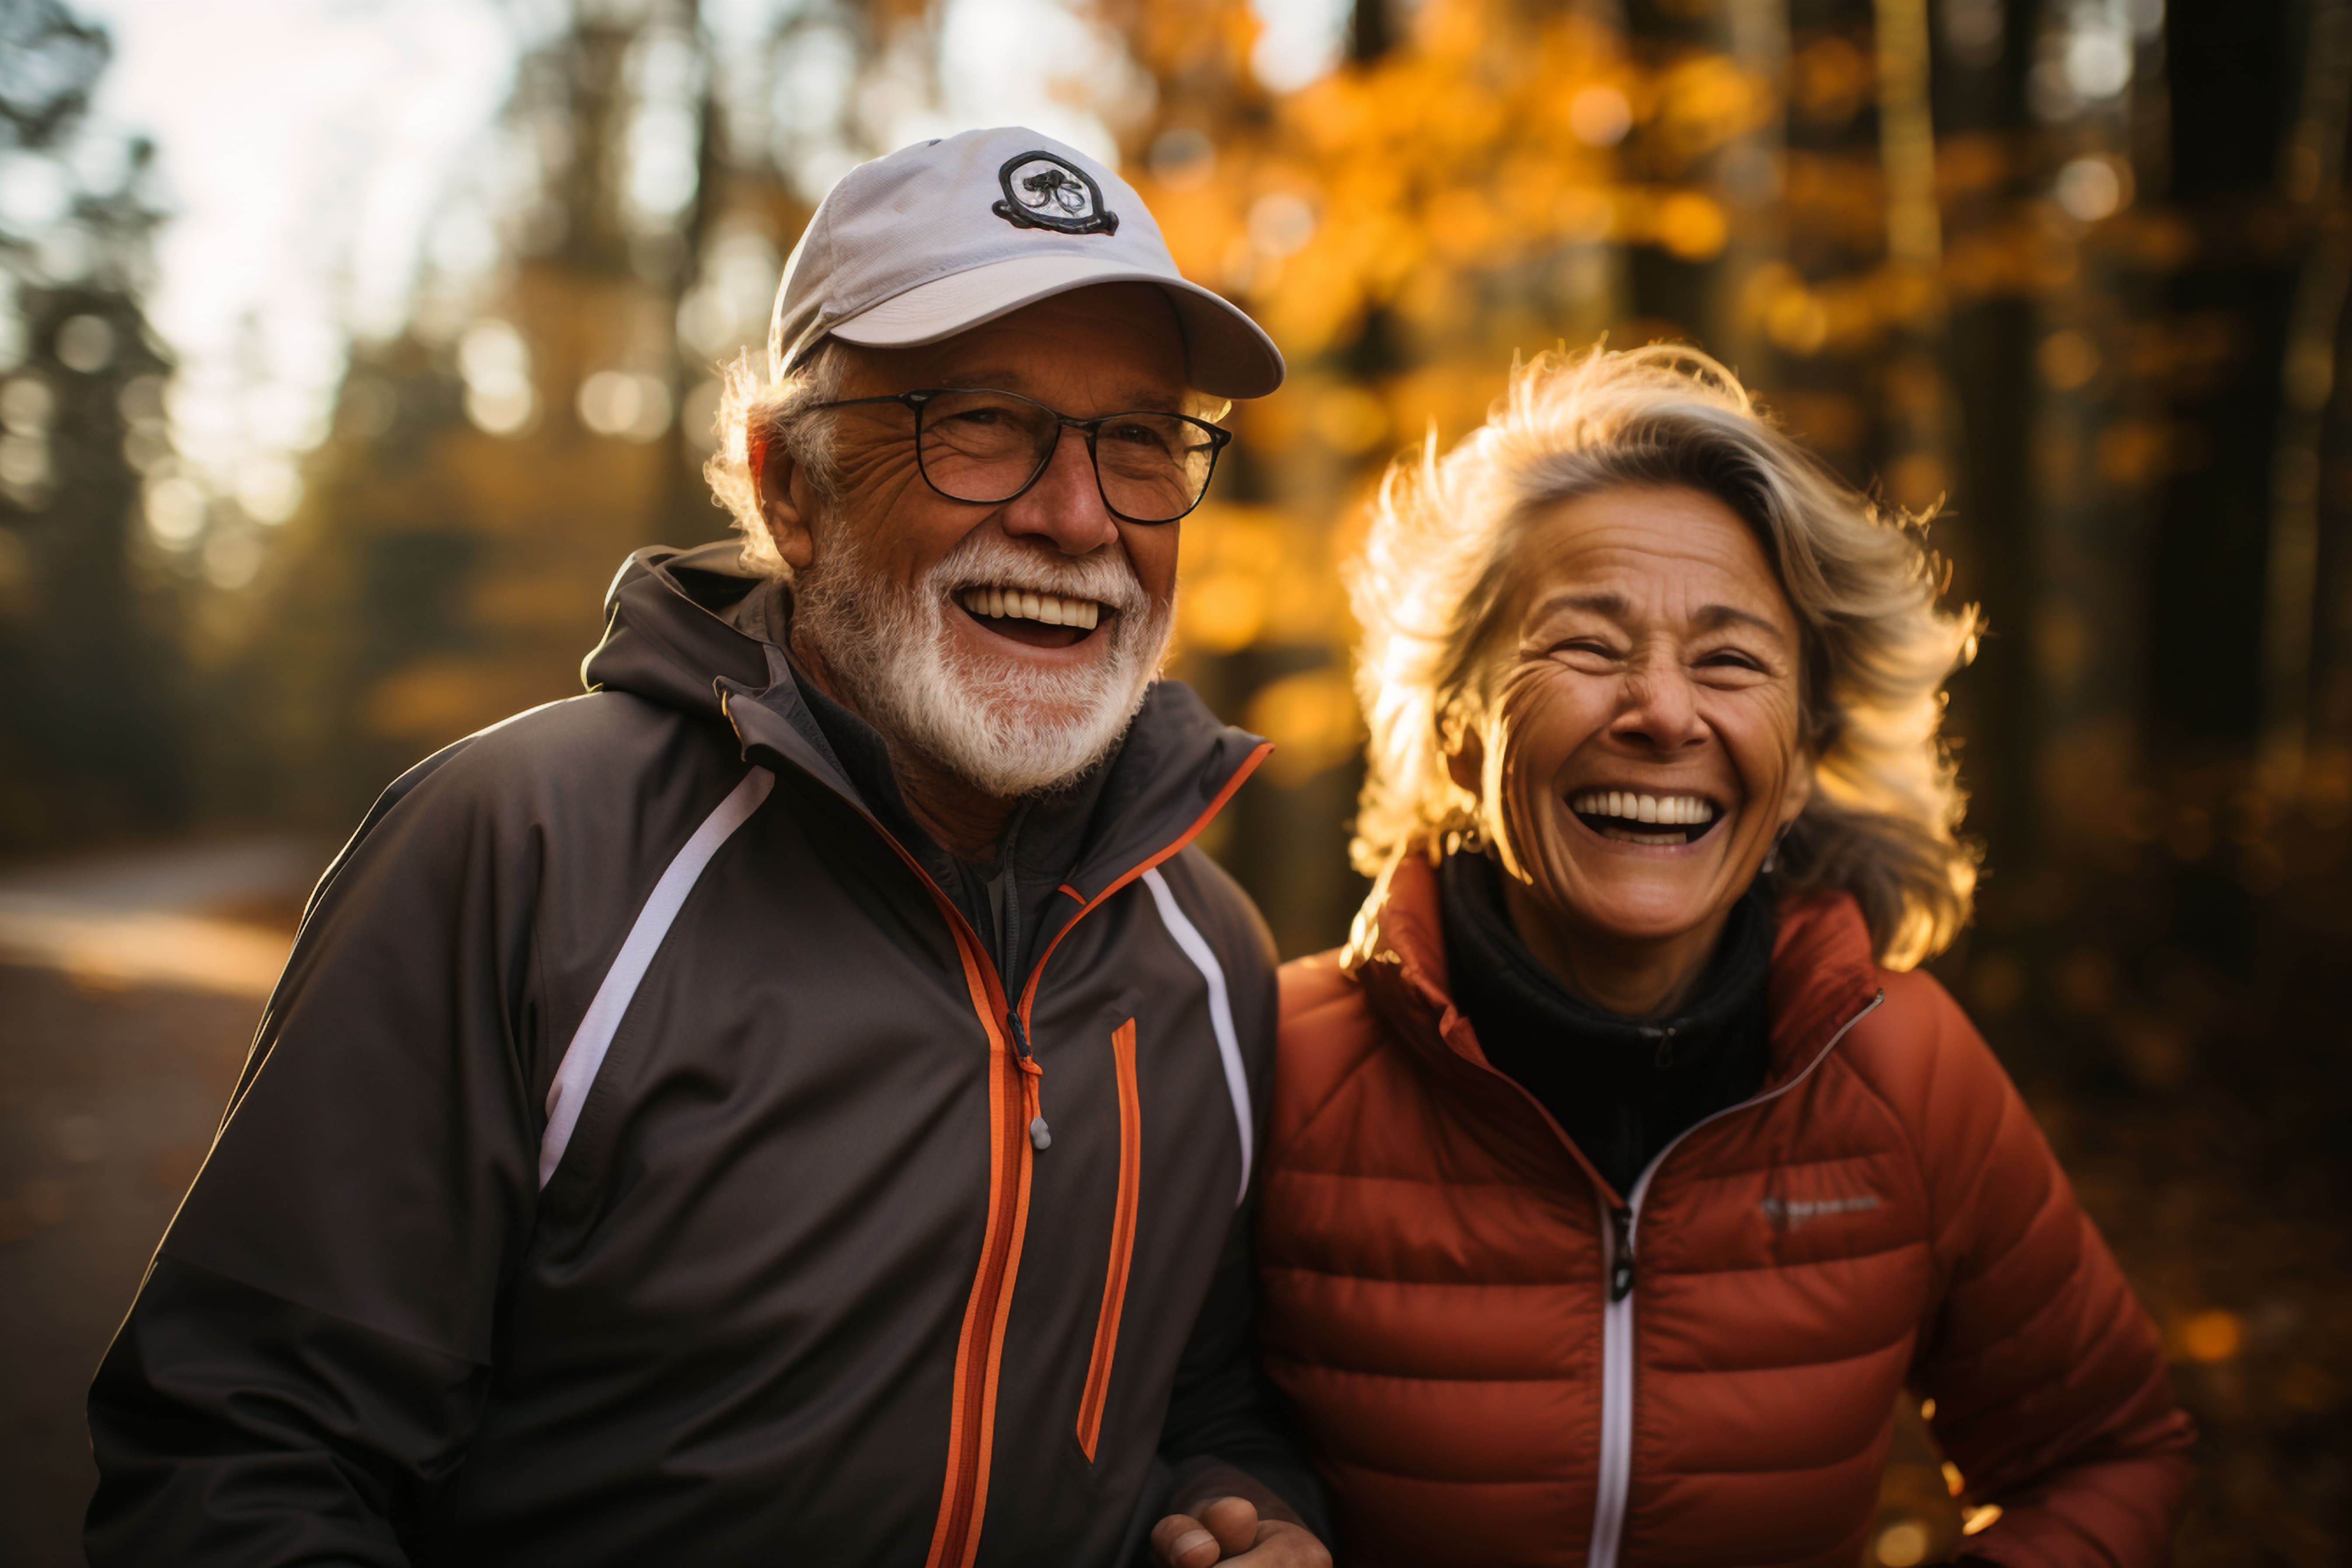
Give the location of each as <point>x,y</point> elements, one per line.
<point>782,492</point>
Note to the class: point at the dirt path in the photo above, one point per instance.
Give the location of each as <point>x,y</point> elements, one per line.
<point>109,1097</point>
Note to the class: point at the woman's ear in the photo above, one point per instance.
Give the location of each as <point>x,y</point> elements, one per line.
<point>784,501</point>
<point>1465,758</point>
<point>1799,791</point>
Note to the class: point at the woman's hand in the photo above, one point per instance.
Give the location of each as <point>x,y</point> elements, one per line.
<point>1228,1530</point>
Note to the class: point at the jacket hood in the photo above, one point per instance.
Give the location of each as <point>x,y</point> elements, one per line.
<point>669,638</point>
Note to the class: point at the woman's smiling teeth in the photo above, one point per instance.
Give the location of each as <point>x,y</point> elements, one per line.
<point>1021,604</point>
<point>1622,814</point>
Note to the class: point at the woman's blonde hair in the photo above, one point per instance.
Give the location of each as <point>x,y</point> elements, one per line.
<point>1436,575</point>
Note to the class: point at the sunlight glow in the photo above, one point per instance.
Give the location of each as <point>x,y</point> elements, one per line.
<point>304,148</point>
<point>1303,40</point>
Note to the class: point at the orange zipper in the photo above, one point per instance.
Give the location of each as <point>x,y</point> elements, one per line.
<point>1013,1103</point>
<point>1122,1240</point>
<point>1241,776</point>
<point>1013,1088</point>
<point>972,1420</point>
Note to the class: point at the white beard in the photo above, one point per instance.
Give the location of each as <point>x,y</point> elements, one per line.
<point>1002,726</point>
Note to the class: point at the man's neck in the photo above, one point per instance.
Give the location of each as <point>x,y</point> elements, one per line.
<point>965,821</point>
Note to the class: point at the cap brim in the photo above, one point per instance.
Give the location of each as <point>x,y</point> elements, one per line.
<point>1226,353</point>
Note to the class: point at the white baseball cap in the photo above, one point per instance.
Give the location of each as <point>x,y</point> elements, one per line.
<point>938,237</point>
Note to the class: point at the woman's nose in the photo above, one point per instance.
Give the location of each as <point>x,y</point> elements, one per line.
<point>1064,507</point>
<point>1660,710</point>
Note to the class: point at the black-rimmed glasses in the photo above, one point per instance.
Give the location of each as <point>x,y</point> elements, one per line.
<point>986,448</point>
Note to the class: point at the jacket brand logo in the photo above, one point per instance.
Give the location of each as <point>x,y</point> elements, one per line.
<point>1787,1215</point>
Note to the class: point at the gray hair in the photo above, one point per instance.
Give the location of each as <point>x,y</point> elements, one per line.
<point>774,410</point>
<point>1433,580</point>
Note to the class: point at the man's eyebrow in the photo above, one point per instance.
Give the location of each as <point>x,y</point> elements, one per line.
<point>1134,398</point>
<point>986,378</point>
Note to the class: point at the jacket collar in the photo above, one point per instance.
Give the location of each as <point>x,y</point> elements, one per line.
<point>1823,975</point>
<point>672,638</point>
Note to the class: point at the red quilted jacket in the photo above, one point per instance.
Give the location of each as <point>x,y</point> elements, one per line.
<point>1499,1360</point>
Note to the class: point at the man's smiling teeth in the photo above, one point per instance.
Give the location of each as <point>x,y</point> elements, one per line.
<point>1674,809</point>
<point>1049,609</point>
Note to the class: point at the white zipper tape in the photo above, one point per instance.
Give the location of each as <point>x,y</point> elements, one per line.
<point>1614,1480</point>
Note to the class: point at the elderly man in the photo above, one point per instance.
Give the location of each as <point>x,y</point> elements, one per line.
<point>797,1102</point>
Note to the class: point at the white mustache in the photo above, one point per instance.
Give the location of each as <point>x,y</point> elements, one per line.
<point>985,561</point>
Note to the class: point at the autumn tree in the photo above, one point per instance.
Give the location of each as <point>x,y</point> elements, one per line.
<point>90,724</point>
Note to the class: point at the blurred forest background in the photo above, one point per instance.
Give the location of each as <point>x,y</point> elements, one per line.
<point>2074,271</point>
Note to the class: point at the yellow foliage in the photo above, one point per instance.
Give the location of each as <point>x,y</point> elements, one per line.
<point>1834,78</point>
<point>433,702</point>
<point>1313,720</point>
<point>1257,574</point>
<point>1690,224</point>
<point>1349,419</point>
<point>1461,190</point>
<point>1704,102</point>
<point>1446,159</point>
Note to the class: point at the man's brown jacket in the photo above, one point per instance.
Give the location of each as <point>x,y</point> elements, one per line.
<point>643,1161</point>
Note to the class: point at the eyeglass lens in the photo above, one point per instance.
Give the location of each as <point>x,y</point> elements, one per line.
<point>985,447</point>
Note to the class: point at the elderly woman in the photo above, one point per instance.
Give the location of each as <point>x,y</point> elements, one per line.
<point>1623,1170</point>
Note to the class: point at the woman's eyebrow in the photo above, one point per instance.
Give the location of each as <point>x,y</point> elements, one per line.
<point>1611,605</point>
<point>1615,607</point>
<point>1713,615</point>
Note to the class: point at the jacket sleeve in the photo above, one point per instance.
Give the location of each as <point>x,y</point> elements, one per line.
<point>310,1350</point>
<point>1224,1413</point>
<point>2048,1375</point>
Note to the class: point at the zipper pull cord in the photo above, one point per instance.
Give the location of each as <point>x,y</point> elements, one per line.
<point>1664,1057</point>
<point>1620,1267</point>
<point>1041,1137</point>
<point>1009,911</point>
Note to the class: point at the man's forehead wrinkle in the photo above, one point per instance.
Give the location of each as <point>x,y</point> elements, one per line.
<point>995,375</point>
<point>1005,375</point>
<point>866,371</point>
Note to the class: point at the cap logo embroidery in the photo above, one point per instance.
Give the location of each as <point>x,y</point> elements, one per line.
<point>1042,191</point>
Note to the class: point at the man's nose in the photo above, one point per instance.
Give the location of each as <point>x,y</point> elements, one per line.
<point>1660,710</point>
<point>1064,507</point>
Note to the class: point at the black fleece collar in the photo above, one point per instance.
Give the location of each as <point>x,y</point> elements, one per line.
<point>696,631</point>
<point>1042,839</point>
<point>1621,1088</point>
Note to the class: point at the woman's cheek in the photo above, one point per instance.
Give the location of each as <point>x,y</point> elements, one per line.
<point>1540,733</point>
<point>1762,736</point>
<point>1540,705</point>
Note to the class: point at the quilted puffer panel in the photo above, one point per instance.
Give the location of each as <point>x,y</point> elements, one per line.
<point>1435,1302</point>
